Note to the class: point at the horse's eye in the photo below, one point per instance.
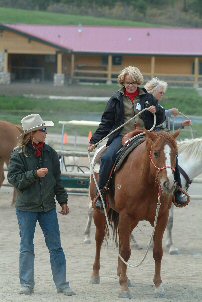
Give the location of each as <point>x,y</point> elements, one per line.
<point>156,154</point>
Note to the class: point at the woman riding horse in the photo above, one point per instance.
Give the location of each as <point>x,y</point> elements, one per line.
<point>121,107</point>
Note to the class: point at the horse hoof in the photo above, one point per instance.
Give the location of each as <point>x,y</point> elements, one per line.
<point>173,251</point>
<point>130,284</point>
<point>95,280</point>
<point>87,241</point>
<point>159,292</point>
<point>125,294</point>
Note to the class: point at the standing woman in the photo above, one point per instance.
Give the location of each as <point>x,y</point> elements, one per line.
<point>34,170</point>
<point>123,105</point>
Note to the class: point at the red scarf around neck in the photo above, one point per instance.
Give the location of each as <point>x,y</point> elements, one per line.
<point>39,148</point>
<point>132,95</point>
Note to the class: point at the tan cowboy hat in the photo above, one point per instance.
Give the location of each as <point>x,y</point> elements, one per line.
<point>34,122</point>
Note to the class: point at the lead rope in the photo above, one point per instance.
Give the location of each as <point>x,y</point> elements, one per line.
<point>103,204</point>
<point>151,236</point>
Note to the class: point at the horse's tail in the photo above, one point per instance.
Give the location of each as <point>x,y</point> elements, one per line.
<point>113,217</point>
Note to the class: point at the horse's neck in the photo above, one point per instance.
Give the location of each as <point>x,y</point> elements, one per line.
<point>190,165</point>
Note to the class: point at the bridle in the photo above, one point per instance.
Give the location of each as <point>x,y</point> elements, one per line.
<point>159,169</point>
<point>186,177</point>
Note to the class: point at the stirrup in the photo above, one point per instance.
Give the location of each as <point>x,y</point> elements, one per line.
<point>97,201</point>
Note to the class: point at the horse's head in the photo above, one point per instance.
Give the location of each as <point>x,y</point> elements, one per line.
<point>162,149</point>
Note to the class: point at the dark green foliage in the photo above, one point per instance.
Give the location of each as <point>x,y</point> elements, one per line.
<point>165,12</point>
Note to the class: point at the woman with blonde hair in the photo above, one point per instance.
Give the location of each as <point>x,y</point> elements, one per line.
<point>124,104</point>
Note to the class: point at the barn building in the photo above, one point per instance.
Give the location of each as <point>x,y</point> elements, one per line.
<point>65,54</point>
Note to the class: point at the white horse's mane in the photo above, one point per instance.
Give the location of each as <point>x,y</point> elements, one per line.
<point>191,147</point>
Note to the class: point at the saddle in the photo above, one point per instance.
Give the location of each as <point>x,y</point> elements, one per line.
<point>131,143</point>
<point>129,146</point>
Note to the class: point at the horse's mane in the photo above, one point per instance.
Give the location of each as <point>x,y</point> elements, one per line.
<point>191,147</point>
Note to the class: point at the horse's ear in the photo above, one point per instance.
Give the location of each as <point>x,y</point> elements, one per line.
<point>150,135</point>
<point>176,134</point>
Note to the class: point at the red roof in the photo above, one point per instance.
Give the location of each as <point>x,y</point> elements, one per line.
<point>117,40</point>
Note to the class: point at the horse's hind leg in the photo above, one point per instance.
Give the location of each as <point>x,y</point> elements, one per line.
<point>100,221</point>
<point>88,225</point>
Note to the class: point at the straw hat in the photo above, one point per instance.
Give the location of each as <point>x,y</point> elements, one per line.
<point>34,122</point>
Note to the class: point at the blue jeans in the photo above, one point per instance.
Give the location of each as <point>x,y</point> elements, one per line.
<point>108,160</point>
<point>49,224</point>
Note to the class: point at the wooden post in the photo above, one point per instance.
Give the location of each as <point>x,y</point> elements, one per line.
<point>59,63</point>
<point>196,72</point>
<point>5,61</point>
<point>152,66</point>
<point>109,70</point>
<point>72,65</point>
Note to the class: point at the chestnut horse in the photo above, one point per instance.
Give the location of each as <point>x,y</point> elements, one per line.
<point>145,178</point>
<point>8,140</point>
<point>189,159</point>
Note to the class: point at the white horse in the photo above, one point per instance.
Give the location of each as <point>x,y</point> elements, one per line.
<point>189,159</point>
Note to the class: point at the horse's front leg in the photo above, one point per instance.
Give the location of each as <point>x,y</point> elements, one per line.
<point>125,252</point>
<point>169,240</point>
<point>100,221</point>
<point>158,253</point>
<point>88,224</point>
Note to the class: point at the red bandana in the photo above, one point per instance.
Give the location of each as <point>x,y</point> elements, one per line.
<point>39,149</point>
<point>132,95</point>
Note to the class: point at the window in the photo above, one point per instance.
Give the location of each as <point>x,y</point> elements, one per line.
<point>116,60</point>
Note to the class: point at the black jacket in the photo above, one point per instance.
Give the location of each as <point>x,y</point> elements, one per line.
<point>113,115</point>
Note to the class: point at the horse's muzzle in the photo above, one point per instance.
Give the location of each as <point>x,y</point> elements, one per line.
<point>168,186</point>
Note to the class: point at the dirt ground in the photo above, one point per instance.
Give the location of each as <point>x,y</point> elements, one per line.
<point>181,274</point>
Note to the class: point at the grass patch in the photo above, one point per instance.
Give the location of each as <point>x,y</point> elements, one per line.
<point>12,16</point>
<point>14,108</point>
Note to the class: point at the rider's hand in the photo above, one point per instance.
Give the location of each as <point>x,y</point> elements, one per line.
<point>91,147</point>
<point>187,123</point>
<point>152,109</point>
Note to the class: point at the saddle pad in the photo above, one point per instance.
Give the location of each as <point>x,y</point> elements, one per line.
<point>127,149</point>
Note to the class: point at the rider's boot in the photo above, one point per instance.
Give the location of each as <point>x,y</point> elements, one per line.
<point>181,199</point>
<point>99,204</point>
